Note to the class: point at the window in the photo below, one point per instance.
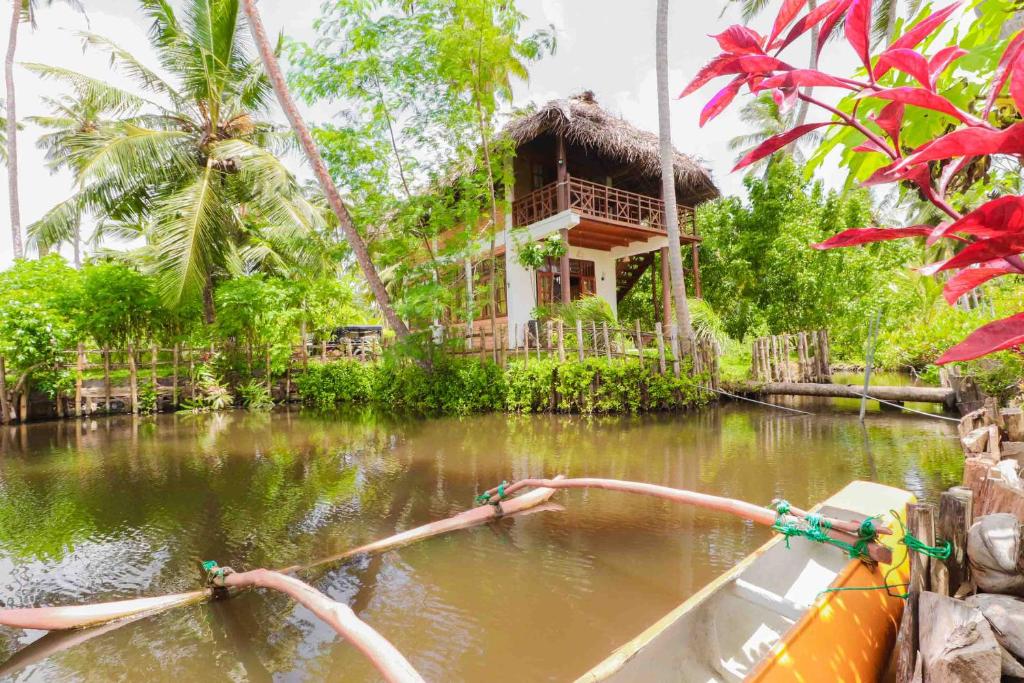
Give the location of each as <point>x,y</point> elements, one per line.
<point>537,176</point>
<point>581,281</point>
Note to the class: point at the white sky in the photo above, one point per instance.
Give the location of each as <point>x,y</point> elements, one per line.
<point>603,45</point>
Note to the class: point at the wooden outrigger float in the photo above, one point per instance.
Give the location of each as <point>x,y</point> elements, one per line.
<point>802,613</point>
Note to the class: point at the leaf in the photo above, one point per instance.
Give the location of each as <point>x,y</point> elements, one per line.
<point>777,142</point>
<point>855,236</point>
<point>924,28</point>
<point>907,61</point>
<point>813,18</point>
<point>784,99</point>
<point>942,59</point>
<point>890,120</point>
<point>720,101</point>
<point>1006,62</point>
<point>739,40</point>
<point>970,142</point>
<point>991,219</point>
<point>1017,82</point>
<point>804,78</point>
<point>788,12</point>
<point>829,24</point>
<point>995,336</point>
<point>979,252</point>
<point>857,26</point>
<point>713,69</point>
<point>919,97</point>
<point>969,278</point>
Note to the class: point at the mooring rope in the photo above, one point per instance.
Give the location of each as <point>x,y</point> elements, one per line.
<point>752,400</point>
<point>897,405</point>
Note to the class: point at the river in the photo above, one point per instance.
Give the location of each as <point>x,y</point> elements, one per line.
<point>120,507</point>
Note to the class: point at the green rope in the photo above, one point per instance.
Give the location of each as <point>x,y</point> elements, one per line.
<point>817,531</point>
<point>486,497</point>
<point>939,552</point>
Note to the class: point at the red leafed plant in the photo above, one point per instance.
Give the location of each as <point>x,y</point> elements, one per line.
<point>991,235</point>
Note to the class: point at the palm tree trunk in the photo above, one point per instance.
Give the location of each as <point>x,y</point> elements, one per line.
<point>273,69</point>
<point>209,308</point>
<point>668,182</point>
<point>12,133</point>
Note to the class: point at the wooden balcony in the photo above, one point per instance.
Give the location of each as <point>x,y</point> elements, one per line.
<point>600,207</point>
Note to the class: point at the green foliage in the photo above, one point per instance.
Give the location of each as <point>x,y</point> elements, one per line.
<point>761,274</point>
<point>598,385</point>
<point>530,387</point>
<point>212,392</point>
<point>586,309</point>
<point>255,395</point>
<point>114,304</point>
<point>34,326</point>
<point>255,311</point>
<point>342,381</point>
<point>452,386</point>
<point>147,397</point>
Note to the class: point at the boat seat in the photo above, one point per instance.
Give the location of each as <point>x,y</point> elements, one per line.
<point>784,607</point>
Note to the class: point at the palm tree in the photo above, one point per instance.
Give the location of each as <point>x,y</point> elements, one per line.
<point>21,11</point>
<point>668,182</point>
<point>191,166</point>
<point>284,97</point>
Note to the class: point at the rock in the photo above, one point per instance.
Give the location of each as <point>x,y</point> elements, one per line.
<point>1013,421</point>
<point>1005,614</point>
<point>994,554</point>
<point>957,643</point>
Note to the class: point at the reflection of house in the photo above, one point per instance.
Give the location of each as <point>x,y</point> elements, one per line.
<point>596,180</point>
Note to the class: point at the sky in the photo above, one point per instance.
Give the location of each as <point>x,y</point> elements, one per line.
<point>606,46</point>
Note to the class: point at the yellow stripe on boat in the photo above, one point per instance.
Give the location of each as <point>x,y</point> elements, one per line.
<point>769,617</point>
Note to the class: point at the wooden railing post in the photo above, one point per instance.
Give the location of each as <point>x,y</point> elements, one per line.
<point>174,377</point>
<point>579,339</point>
<point>133,380</point>
<point>106,377</point>
<point>607,343</point>
<point>79,368</point>
<point>5,407</point>
<point>639,343</point>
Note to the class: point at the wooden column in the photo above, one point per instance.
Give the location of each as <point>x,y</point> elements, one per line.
<point>563,268</point>
<point>666,288</point>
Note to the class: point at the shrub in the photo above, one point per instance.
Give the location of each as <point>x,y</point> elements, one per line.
<point>342,381</point>
<point>255,395</point>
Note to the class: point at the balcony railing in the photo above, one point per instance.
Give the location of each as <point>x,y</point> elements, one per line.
<point>601,203</point>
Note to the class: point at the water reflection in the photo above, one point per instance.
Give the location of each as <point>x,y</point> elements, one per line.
<point>123,507</point>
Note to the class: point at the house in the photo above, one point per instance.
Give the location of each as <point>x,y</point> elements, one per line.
<point>595,179</point>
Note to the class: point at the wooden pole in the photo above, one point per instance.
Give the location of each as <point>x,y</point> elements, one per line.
<point>661,347</point>
<point>323,350</point>
<point>639,335</point>
<point>5,407</point>
<point>106,377</point>
<point>270,380</point>
<point>593,337</point>
<point>191,372</point>
<point>550,330</point>
<point>868,362</point>
<point>154,355</point>
<point>561,342</point>
<point>526,344</point>
<point>174,376</point>
<point>696,270</point>
<point>79,369</point>
<point>955,519</point>
<point>579,340</point>
<point>607,341</point>
<point>536,328</point>
<point>921,523</point>
<point>133,380</point>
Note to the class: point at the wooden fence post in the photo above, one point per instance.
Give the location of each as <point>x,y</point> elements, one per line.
<point>674,341</point>
<point>593,334</point>
<point>660,339</point>
<point>955,519</point>
<point>133,380</point>
<point>550,329</point>
<point>79,368</point>
<point>191,372</point>
<point>579,340</point>
<point>639,343</point>
<point>536,328</point>
<point>106,377</point>
<point>561,342</point>
<point>5,407</point>
<point>174,377</point>
<point>526,344</point>
<point>270,381</point>
<point>154,356</point>
<point>607,341</point>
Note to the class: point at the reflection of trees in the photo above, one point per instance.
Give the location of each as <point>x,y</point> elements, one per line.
<point>132,506</point>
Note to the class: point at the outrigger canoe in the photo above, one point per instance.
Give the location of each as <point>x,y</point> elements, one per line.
<point>773,617</point>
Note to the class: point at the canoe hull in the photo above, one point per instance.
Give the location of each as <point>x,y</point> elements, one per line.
<point>767,618</point>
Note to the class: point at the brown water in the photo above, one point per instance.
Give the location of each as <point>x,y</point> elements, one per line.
<point>121,508</point>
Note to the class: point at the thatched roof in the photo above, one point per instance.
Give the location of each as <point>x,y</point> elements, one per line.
<point>586,124</point>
